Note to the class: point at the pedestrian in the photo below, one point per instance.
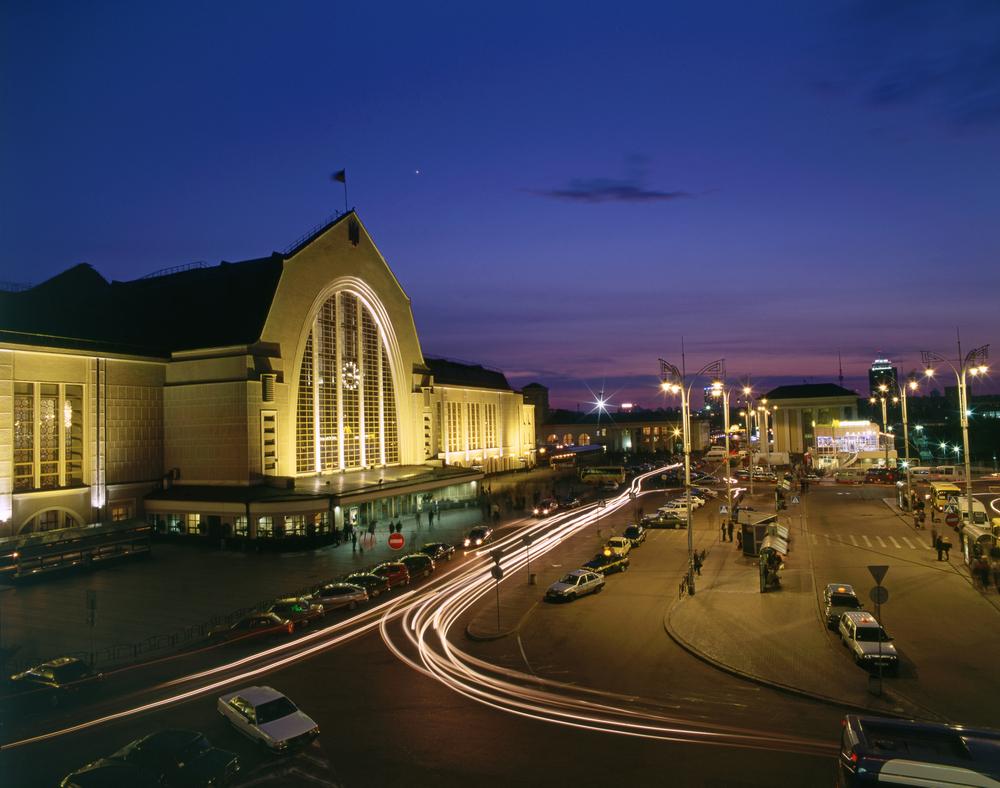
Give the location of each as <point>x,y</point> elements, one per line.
<point>730,527</point>
<point>934,536</point>
<point>946,543</point>
<point>739,540</point>
<point>983,567</point>
<point>939,544</point>
<point>722,528</point>
<point>418,518</point>
<point>916,520</point>
<point>922,517</point>
<point>697,564</point>
<point>354,542</point>
<point>430,518</point>
<point>399,526</point>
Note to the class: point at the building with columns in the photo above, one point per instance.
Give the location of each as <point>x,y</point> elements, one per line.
<point>273,397</point>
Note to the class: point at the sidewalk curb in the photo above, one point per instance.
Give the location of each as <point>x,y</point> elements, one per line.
<point>786,688</point>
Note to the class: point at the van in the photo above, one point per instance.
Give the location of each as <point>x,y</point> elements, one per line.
<point>979,515</point>
<point>850,476</point>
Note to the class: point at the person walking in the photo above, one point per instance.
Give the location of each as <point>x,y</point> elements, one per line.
<point>946,543</point>
<point>722,528</point>
<point>739,540</point>
<point>939,544</point>
<point>418,519</point>
<point>730,527</point>
<point>354,542</point>
<point>697,563</point>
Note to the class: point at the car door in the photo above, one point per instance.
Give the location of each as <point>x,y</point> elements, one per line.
<point>240,714</point>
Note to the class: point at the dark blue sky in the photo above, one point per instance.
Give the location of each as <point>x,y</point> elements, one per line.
<point>563,189</point>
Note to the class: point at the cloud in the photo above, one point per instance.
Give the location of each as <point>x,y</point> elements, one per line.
<point>595,190</point>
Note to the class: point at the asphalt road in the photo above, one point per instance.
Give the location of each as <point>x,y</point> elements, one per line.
<point>384,723</point>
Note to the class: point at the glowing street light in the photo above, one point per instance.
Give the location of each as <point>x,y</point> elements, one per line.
<point>672,381</point>
<point>973,365</point>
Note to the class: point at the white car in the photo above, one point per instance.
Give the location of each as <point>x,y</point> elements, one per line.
<point>618,546</point>
<point>575,584</point>
<point>264,715</point>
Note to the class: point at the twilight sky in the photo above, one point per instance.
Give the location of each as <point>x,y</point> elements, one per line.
<point>563,189</point>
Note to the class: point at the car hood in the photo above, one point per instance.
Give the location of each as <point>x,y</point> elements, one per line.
<point>560,588</point>
<point>289,727</point>
<point>871,649</point>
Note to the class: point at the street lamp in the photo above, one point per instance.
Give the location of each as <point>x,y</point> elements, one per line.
<point>882,397</point>
<point>672,380</point>
<point>719,390</point>
<point>748,413</point>
<point>974,365</point>
<point>766,433</point>
<point>911,385</point>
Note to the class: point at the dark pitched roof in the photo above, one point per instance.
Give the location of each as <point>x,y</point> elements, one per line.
<point>454,373</point>
<point>212,306</point>
<point>806,390</point>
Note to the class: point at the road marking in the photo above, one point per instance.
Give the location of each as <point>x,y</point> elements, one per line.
<point>854,541</point>
<point>895,544</point>
<point>881,543</point>
<point>867,540</point>
<point>908,543</point>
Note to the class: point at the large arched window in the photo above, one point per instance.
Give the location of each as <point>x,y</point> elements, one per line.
<point>346,414</point>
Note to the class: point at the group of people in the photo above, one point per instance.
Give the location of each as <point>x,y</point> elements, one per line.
<point>726,528</point>
<point>941,543</point>
<point>983,570</point>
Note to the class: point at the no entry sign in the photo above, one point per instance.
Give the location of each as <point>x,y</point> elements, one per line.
<point>951,519</point>
<point>396,541</point>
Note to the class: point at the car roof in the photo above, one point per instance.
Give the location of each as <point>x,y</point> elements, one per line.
<point>861,618</point>
<point>59,662</point>
<point>840,588</point>
<point>256,695</point>
<point>389,563</point>
<point>421,556</point>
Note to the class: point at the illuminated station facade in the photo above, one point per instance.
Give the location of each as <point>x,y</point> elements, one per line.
<point>271,398</point>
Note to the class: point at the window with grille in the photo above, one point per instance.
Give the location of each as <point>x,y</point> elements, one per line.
<point>240,525</point>
<point>194,523</point>
<point>48,435</point>
<point>265,526</point>
<point>267,388</point>
<point>121,510</point>
<point>346,405</point>
<point>454,426</point>
<point>269,442</point>
<point>474,433</point>
<point>491,426</point>
<point>295,525</point>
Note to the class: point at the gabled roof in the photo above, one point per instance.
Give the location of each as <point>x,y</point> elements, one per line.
<point>454,373</point>
<point>201,307</point>
<point>810,390</point>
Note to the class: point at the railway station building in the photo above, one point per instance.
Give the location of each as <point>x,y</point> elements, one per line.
<point>275,397</point>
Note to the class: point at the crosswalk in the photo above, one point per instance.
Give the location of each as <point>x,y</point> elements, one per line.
<point>862,540</point>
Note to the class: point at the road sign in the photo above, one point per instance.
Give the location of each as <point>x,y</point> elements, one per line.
<point>951,519</point>
<point>396,541</point>
<point>879,595</point>
<point>878,572</point>
<point>951,508</point>
<point>497,572</point>
<point>723,509</point>
<point>795,499</point>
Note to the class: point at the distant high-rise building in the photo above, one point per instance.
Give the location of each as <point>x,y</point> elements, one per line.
<point>538,395</point>
<point>882,371</point>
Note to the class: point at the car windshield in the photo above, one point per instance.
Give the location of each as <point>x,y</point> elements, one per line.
<point>71,671</point>
<point>274,710</point>
<point>477,533</point>
<point>336,590</point>
<point>871,635</point>
<point>631,531</point>
<point>845,600</point>
<point>284,608</point>
<point>569,580</point>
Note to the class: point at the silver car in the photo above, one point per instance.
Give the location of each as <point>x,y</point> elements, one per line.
<point>336,595</point>
<point>264,715</point>
<point>868,642</point>
<point>577,583</point>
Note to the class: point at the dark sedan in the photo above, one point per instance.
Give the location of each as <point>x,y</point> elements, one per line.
<point>439,551</point>
<point>418,564</point>
<point>301,611</point>
<point>182,758</point>
<point>53,682</point>
<point>636,534</point>
<point>373,584</point>
<point>605,564</point>
<point>258,625</point>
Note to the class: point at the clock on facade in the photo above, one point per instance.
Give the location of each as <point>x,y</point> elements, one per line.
<point>351,375</point>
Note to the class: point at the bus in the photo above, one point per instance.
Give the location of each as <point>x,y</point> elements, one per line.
<point>603,474</point>
<point>88,547</point>
<point>946,473</point>
<point>878,750</point>
<point>941,492</point>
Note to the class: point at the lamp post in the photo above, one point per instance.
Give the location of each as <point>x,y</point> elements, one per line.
<point>882,397</point>
<point>912,385</point>
<point>747,391</point>
<point>719,390</point>
<point>766,433</point>
<point>973,365</point>
<point>672,380</point>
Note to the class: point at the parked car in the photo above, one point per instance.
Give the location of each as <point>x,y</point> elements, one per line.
<point>373,584</point>
<point>418,564</point>
<point>607,563</point>
<point>107,773</point>
<point>393,571</point>
<point>300,610</point>
<point>545,507</point>
<point>571,503</point>
<point>665,520</point>
<point>264,715</point>
<point>839,599</point>
<point>575,584</point>
<point>636,534</point>
<point>618,545</point>
<point>705,492</point>
<point>439,551</point>
<point>257,625</point>
<point>180,758</point>
<point>478,536</point>
<point>868,643</point>
<point>334,596</point>
<point>52,683</point>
